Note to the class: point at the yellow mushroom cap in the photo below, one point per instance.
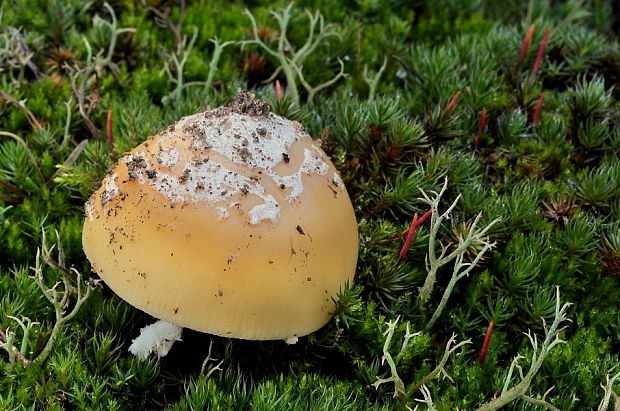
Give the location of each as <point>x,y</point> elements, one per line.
<point>232,222</point>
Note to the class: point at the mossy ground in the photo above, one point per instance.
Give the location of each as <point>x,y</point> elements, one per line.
<point>548,166</point>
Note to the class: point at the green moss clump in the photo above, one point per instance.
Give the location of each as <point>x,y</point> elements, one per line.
<point>408,116</point>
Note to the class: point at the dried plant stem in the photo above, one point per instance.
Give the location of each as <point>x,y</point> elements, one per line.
<point>33,160</point>
<point>31,118</point>
<point>66,136</point>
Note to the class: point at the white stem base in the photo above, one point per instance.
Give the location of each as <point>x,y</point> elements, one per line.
<point>157,337</point>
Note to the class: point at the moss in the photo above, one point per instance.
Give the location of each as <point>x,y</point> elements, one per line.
<point>554,183</point>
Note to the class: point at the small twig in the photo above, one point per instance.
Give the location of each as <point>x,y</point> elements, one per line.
<point>406,67</point>
<point>13,189</point>
<point>31,118</point>
<point>66,136</point>
<point>79,92</point>
<point>75,154</point>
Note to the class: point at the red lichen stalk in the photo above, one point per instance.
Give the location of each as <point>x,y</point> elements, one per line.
<point>109,130</point>
<point>424,217</point>
<point>411,232</point>
<point>485,344</point>
<point>420,221</point>
<point>452,104</point>
<point>481,126</point>
<point>526,44</point>
<point>278,89</point>
<point>541,52</point>
<point>538,109</point>
<point>409,239</point>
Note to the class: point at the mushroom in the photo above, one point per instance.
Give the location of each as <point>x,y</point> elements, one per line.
<point>232,222</point>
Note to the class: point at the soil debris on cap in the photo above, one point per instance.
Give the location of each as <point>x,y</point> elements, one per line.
<point>243,103</point>
<point>134,166</point>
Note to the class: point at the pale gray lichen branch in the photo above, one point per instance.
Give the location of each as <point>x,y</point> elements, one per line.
<point>433,261</point>
<point>81,77</point>
<point>451,347</point>
<point>426,399</point>
<point>208,358</point>
<point>215,59</point>
<point>552,339</point>
<point>291,60</point>
<point>373,81</point>
<point>313,90</point>
<point>399,386</point>
<point>115,31</point>
<point>608,389</point>
<point>174,65</point>
<point>163,19</point>
<point>15,53</point>
<point>461,269</point>
<point>7,339</point>
<point>58,298</point>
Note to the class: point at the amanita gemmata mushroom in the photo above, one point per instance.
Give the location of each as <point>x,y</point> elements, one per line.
<point>232,221</point>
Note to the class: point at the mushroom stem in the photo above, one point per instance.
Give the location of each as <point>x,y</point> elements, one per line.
<point>157,337</point>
